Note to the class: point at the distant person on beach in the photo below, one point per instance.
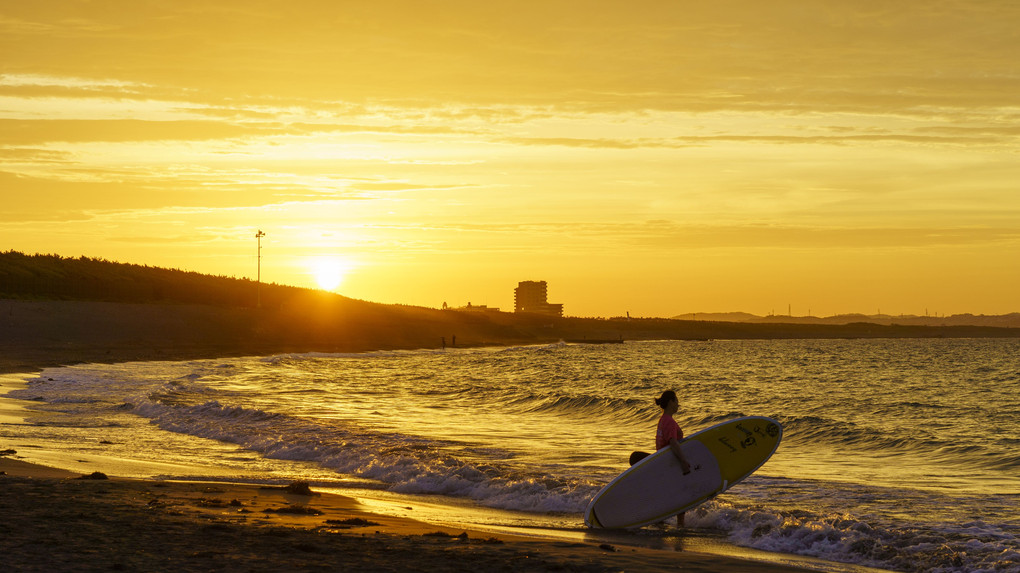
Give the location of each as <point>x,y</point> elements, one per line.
<point>668,433</point>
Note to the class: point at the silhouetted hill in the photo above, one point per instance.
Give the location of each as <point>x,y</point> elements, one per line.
<point>1011,320</point>
<point>56,310</point>
<point>51,277</point>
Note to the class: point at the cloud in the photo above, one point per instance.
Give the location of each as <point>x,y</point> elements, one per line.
<point>33,155</point>
<point>600,143</point>
<point>400,186</point>
<point>65,82</point>
<point>672,236</point>
<point>668,236</point>
<point>76,193</point>
<point>38,131</point>
<point>660,55</point>
<point>966,137</point>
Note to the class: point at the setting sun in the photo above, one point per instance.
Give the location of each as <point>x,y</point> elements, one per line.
<point>329,272</point>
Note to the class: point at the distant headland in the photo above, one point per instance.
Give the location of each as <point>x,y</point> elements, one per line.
<point>1011,320</point>
<point>56,310</point>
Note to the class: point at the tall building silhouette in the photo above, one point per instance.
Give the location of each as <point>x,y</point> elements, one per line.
<point>530,296</point>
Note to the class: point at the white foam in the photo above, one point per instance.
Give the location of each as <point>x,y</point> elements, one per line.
<point>847,539</point>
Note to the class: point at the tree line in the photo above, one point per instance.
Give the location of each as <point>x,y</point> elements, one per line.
<point>53,277</point>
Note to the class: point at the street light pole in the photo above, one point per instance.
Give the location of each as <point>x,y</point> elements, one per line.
<point>258,277</point>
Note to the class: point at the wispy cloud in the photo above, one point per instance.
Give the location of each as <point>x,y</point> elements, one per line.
<point>36,131</point>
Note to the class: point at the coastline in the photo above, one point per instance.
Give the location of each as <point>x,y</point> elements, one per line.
<point>35,334</point>
<point>59,519</point>
<point>40,335</point>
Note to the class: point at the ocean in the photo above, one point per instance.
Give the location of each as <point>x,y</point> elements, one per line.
<point>901,455</point>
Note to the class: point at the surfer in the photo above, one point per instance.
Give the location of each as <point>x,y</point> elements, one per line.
<point>668,433</point>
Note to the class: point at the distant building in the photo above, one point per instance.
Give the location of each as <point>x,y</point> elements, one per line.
<point>479,308</point>
<point>530,296</point>
<point>473,307</point>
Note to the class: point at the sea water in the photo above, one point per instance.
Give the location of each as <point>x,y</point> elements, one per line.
<point>897,454</point>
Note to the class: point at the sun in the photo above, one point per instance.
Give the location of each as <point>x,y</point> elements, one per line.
<point>329,272</point>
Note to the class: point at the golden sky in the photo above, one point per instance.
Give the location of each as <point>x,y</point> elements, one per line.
<point>655,158</point>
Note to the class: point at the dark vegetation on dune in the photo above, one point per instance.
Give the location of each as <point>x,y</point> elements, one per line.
<point>58,310</point>
<point>52,277</point>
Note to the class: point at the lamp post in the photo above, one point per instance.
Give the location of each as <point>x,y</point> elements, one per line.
<point>258,277</point>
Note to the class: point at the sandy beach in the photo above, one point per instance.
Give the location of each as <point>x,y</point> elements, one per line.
<point>55,520</point>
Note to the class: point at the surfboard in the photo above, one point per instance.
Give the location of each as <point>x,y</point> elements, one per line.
<point>655,487</point>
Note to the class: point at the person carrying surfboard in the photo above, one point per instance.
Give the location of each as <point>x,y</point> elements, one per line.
<point>668,433</point>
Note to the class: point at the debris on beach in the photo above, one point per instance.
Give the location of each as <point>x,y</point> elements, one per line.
<point>294,509</point>
<point>350,522</point>
<point>210,502</point>
<point>297,488</point>
<point>463,537</point>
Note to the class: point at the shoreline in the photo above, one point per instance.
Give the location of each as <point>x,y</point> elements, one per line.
<point>56,519</point>
<point>161,524</point>
<point>36,334</point>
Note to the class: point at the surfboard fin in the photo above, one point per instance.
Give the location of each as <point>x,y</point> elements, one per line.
<point>725,484</point>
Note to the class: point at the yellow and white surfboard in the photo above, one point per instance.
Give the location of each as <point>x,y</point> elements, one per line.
<point>655,488</point>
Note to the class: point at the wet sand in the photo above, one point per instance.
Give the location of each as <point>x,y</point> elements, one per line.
<point>54,520</point>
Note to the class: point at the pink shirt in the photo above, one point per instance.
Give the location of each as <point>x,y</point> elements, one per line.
<point>668,428</point>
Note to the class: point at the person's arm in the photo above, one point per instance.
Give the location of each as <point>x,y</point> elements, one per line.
<point>675,446</point>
